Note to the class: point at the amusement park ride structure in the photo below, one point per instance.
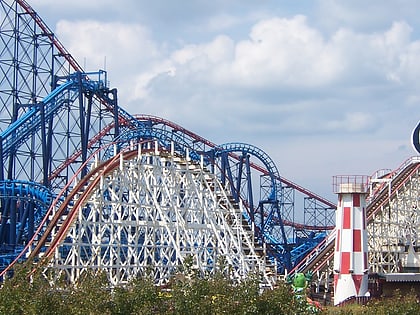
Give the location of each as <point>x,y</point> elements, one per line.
<point>85,185</point>
<point>63,197</point>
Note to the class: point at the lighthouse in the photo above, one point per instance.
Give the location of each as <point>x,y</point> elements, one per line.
<point>350,256</point>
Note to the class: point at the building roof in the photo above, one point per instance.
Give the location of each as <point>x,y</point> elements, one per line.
<point>402,277</point>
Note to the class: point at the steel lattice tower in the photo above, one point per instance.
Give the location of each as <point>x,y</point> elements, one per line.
<point>33,63</point>
<point>54,116</point>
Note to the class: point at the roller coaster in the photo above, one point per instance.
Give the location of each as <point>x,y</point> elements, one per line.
<point>62,135</point>
<point>86,185</point>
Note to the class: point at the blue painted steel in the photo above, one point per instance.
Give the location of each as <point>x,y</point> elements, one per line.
<point>42,63</point>
<point>270,220</point>
<point>19,222</point>
<point>261,155</point>
<point>271,225</point>
<point>18,131</point>
<point>305,247</point>
<point>416,138</point>
<point>30,122</point>
<point>27,205</point>
<point>22,188</point>
<point>165,139</point>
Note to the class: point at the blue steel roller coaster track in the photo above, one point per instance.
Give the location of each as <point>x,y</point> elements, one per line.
<point>416,138</point>
<point>82,110</point>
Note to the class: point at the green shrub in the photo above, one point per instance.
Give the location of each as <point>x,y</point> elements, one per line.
<point>188,293</point>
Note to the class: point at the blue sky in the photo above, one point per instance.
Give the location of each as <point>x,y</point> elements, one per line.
<point>324,87</point>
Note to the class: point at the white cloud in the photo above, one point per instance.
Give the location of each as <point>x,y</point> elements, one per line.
<point>280,53</point>
<point>327,78</point>
<point>217,51</point>
<point>352,122</point>
<point>126,50</point>
<point>284,52</point>
<point>288,53</point>
<point>334,82</point>
<point>122,44</point>
<point>286,78</point>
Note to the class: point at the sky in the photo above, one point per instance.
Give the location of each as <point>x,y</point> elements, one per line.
<point>324,87</point>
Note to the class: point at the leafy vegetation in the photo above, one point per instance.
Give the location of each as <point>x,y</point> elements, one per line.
<point>398,305</point>
<point>188,293</point>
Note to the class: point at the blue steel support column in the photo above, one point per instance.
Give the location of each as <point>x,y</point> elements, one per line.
<point>287,246</point>
<point>31,219</point>
<point>4,218</point>
<point>1,160</point>
<point>230,177</point>
<point>212,157</point>
<point>23,218</point>
<point>111,98</point>
<point>88,117</point>
<point>416,138</point>
<point>239,179</point>
<point>44,145</point>
<point>49,146</point>
<point>267,222</point>
<point>3,200</point>
<point>12,230</point>
<point>2,208</point>
<point>261,227</point>
<point>15,90</point>
<point>283,232</point>
<point>86,128</point>
<point>224,162</point>
<point>82,122</point>
<point>250,191</point>
<point>115,104</point>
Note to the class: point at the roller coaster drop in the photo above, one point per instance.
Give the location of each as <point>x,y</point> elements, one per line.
<point>86,185</point>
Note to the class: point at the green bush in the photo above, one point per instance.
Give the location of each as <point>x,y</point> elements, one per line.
<point>187,293</point>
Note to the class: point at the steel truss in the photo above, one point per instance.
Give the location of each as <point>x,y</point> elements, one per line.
<point>150,212</point>
<point>40,129</point>
<point>48,128</point>
<point>31,61</point>
<point>317,214</point>
<point>271,208</point>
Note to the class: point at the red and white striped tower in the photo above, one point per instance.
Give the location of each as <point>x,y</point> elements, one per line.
<point>350,256</point>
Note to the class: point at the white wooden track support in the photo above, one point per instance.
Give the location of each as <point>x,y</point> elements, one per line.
<point>148,213</point>
<point>393,228</point>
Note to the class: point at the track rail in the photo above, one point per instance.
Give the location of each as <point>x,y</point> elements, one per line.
<point>28,123</point>
<point>69,210</point>
<point>47,31</point>
<point>83,188</point>
<point>198,139</point>
<point>49,220</point>
<point>323,253</point>
<point>257,167</point>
